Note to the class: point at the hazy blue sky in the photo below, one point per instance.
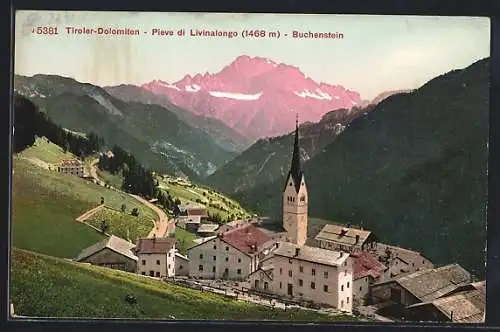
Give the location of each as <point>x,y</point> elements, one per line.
<point>378,53</point>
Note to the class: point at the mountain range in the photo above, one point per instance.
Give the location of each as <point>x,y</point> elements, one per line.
<point>157,136</point>
<point>255,96</point>
<point>413,170</point>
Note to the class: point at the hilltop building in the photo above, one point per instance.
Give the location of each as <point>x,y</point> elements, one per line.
<point>72,167</point>
<point>367,270</point>
<point>156,257</point>
<point>112,252</point>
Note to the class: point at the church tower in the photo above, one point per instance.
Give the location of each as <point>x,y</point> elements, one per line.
<point>295,198</point>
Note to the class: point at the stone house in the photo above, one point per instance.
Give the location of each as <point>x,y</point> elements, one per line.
<point>344,238</point>
<point>307,273</point>
<point>72,167</point>
<point>156,257</point>
<point>231,255</point>
<point>112,252</point>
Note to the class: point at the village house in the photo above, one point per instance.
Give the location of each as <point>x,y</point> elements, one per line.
<point>192,210</point>
<point>156,257</point>
<point>421,286</point>
<point>400,260</point>
<point>181,265</point>
<point>190,223</point>
<point>112,252</point>
<point>366,271</point>
<point>465,304</point>
<point>231,255</point>
<point>307,274</point>
<point>345,238</point>
<point>72,167</point>
<point>206,230</point>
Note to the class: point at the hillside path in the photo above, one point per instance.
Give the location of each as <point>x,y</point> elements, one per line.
<point>93,172</point>
<point>162,225</point>
<point>89,213</point>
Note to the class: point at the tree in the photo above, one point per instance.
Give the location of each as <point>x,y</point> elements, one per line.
<point>177,201</point>
<point>135,212</point>
<point>102,200</point>
<point>124,208</point>
<point>104,226</point>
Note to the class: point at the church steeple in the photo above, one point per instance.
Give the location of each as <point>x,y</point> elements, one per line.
<point>295,169</point>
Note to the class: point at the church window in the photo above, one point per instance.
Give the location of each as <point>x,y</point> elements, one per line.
<point>302,198</point>
<point>290,184</point>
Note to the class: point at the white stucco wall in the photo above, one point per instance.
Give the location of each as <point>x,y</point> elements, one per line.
<point>162,265</point>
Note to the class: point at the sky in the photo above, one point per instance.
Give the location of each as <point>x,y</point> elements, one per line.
<point>377,53</point>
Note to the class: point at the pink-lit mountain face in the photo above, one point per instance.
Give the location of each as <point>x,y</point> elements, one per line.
<point>256,96</point>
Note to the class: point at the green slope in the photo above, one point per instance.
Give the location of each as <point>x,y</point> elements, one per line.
<point>45,205</point>
<point>44,286</point>
<point>414,171</point>
<point>157,136</point>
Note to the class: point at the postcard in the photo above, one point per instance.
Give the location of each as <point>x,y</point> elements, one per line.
<point>254,167</point>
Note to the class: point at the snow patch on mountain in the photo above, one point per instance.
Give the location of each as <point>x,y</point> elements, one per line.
<point>168,85</point>
<point>265,162</point>
<point>237,96</point>
<point>318,94</point>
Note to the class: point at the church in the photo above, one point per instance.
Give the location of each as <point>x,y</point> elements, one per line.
<point>299,271</point>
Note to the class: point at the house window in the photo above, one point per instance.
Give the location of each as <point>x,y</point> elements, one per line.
<point>281,270</point>
<point>157,274</point>
<point>326,274</point>
<point>201,256</point>
<point>157,262</point>
<point>238,271</point>
<point>360,288</point>
<point>313,272</point>
<point>342,303</point>
<point>348,284</point>
<point>169,254</point>
<point>200,268</point>
<point>215,247</point>
<point>227,248</point>
<point>143,273</point>
<point>348,300</point>
<point>168,266</point>
<point>226,270</point>
<point>281,285</point>
<point>301,282</point>
<point>151,273</point>
<point>301,269</point>
<point>345,263</point>
<point>345,273</point>
<point>213,269</point>
<point>290,273</point>
<point>265,285</point>
<point>143,262</point>
<point>215,258</point>
<point>342,288</point>
<point>180,267</point>
<point>313,285</point>
<point>239,260</point>
<point>325,288</point>
<point>227,259</point>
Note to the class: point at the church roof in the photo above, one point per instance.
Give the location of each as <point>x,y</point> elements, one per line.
<point>295,169</point>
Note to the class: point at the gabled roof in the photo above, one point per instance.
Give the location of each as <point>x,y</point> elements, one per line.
<point>113,243</point>
<point>430,284</point>
<point>154,245</point>
<point>342,235</point>
<point>179,255</point>
<point>311,254</point>
<point>365,264</point>
<point>207,228</point>
<point>464,307</point>
<point>405,255</point>
<point>247,239</point>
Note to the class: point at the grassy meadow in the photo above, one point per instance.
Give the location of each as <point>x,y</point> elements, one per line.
<point>45,286</point>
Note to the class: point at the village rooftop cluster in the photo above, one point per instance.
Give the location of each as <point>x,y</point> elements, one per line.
<point>343,268</point>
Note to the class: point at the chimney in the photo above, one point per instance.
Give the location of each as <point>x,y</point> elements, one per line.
<point>341,254</point>
<point>277,245</point>
<point>297,251</point>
